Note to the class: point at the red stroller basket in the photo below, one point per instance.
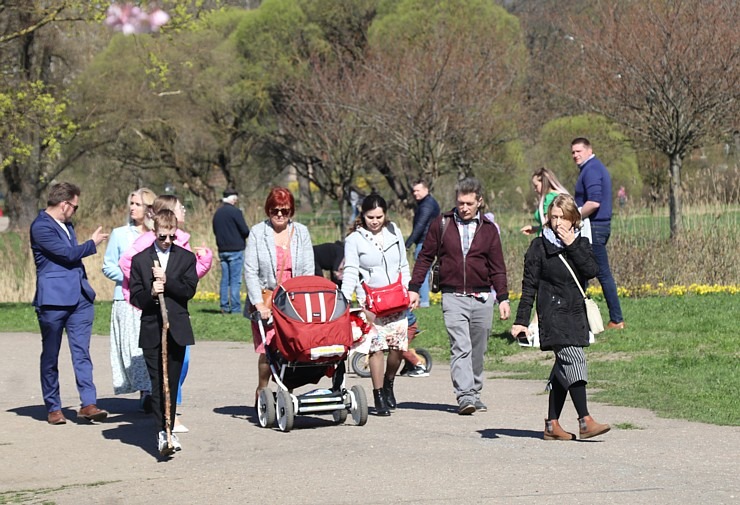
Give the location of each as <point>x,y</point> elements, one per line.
<point>311,318</point>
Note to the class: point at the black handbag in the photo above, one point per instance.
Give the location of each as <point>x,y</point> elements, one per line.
<point>434,286</point>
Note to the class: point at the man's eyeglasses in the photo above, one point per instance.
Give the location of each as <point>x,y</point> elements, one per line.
<point>162,238</point>
<point>277,212</point>
<point>74,207</point>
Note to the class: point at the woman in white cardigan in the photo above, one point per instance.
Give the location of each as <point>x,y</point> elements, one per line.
<point>375,253</point>
<point>277,249</point>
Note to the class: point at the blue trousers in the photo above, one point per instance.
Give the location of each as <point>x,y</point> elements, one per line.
<point>231,280</point>
<point>600,233</point>
<point>424,289</point>
<point>77,320</point>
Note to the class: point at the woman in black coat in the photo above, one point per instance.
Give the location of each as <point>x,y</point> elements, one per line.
<point>563,325</point>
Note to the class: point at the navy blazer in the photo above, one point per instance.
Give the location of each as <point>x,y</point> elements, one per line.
<point>61,278</point>
<point>182,281</point>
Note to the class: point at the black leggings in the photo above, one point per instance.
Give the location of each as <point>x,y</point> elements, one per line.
<point>557,398</point>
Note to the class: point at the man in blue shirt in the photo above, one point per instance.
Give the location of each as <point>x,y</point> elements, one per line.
<point>594,198</point>
<point>427,209</point>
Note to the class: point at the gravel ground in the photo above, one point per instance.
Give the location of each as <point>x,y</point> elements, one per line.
<point>423,454</point>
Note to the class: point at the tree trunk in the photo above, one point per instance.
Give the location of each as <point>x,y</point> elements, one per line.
<point>22,198</point>
<point>304,194</point>
<point>675,196</point>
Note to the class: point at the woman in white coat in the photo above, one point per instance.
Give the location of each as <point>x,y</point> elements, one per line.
<point>375,253</point>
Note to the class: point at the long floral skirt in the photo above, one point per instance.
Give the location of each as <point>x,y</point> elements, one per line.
<point>126,357</point>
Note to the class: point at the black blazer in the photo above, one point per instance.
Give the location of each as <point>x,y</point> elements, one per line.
<point>182,280</point>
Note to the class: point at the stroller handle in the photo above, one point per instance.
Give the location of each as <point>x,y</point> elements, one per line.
<point>256,316</point>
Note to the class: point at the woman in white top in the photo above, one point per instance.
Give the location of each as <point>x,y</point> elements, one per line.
<point>375,253</point>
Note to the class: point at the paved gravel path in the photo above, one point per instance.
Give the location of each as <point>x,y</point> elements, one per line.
<point>423,454</point>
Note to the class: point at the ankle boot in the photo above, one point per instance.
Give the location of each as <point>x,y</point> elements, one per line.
<point>390,398</point>
<point>589,428</point>
<point>381,407</point>
<point>553,431</point>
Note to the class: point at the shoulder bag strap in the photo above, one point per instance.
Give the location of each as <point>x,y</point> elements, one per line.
<point>573,274</point>
<point>443,227</point>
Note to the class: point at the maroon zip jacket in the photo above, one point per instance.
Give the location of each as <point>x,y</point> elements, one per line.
<point>480,270</point>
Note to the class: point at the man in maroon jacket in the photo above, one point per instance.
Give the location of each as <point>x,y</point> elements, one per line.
<point>471,262</point>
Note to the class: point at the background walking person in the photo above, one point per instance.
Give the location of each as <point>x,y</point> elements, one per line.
<point>594,199</point>
<point>231,233</point>
<point>427,209</point>
<point>547,187</point>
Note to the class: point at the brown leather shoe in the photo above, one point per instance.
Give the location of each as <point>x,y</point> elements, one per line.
<point>589,428</point>
<point>615,326</point>
<point>56,417</point>
<point>92,413</point>
<point>553,431</point>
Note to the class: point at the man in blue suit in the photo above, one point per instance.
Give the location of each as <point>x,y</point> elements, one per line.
<point>64,300</point>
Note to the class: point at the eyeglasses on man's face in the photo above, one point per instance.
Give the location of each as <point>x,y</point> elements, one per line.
<point>164,237</point>
<point>279,211</point>
<point>74,207</point>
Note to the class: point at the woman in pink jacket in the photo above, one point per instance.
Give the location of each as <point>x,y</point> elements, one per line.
<point>204,259</point>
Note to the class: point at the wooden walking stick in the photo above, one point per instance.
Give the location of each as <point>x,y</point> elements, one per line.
<point>165,374</point>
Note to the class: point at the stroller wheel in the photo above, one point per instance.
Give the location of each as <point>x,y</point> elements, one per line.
<point>285,411</point>
<point>359,405</point>
<point>425,357</point>
<point>360,364</point>
<point>266,408</point>
<point>340,416</point>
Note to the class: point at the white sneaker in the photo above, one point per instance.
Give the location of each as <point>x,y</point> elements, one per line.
<point>164,449</point>
<point>176,443</point>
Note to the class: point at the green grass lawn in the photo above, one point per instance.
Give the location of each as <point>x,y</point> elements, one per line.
<point>679,356</point>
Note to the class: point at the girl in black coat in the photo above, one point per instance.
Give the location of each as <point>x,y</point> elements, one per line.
<point>561,311</point>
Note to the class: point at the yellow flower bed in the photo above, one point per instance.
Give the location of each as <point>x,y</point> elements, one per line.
<point>641,291</point>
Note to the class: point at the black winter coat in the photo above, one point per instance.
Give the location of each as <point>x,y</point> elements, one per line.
<point>560,306</point>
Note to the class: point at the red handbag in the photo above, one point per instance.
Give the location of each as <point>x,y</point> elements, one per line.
<point>388,299</point>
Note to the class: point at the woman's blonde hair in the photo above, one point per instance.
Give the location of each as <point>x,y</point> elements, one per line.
<point>147,197</point>
<point>567,204</point>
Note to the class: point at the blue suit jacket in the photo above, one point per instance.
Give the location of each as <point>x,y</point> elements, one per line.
<point>60,275</point>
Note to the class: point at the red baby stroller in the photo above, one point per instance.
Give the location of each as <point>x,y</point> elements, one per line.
<point>312,338</point>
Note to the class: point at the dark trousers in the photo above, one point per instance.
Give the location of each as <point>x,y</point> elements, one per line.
<point>175,358</point>
<point>77,320</point>
<point>600,233</point>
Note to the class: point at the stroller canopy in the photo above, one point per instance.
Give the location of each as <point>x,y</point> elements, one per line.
<point>311,319</point>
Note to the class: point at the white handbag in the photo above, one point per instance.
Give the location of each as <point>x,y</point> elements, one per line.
<point>595,323</point>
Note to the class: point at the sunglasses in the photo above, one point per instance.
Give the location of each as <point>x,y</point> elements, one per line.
<point>74,207</point>
<point>277,212</point>
<point>162,238</point>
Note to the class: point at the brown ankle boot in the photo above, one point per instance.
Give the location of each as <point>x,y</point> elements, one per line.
<point>589,428</point>
<point>553,431</point>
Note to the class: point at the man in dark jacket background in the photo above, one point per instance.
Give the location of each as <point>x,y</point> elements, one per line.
<point>426,210</point>
<point>231,234</point>
<point>471,263</point>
